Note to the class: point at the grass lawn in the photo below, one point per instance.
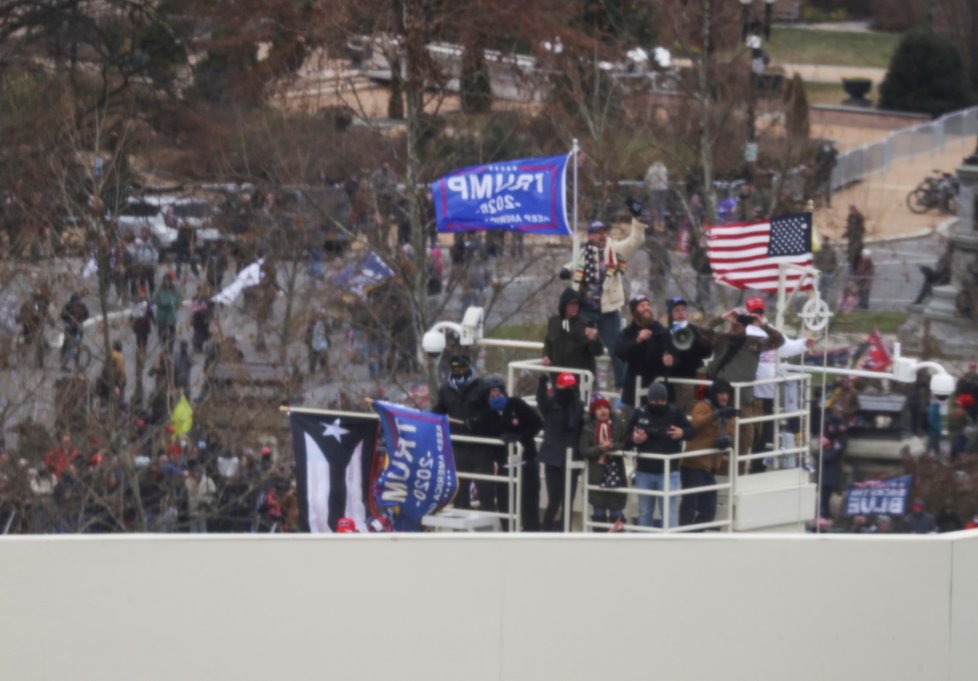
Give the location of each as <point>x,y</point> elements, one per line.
<point>803,46</point>
<point>831,93</point>
<point>864,322</point>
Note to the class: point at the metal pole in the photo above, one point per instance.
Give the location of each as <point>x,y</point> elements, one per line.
<point>567,489</point>
<point>576,239</point>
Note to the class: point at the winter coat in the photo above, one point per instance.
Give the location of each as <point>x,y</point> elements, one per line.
<point>565,343</point>
<point>517,420</point>
<point>706,430</point>
<point>744,354</point>
<point>935,422</point>
<point>562,422</point>
<point>833,449</point>
<point>617,251</point>
<point>166,302</point>
<point>595,471</point>
<point>655,424</point>
<point>642,360</point>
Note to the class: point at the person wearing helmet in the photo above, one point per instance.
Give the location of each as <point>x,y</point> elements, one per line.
<point>570,341</point>
<point>714,427</point>
<point>455,399</point>
<point>562,410</point>
<point>510,419</point>
<point>657,427</point>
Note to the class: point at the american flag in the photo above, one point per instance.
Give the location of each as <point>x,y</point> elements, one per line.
<point>747,254</point>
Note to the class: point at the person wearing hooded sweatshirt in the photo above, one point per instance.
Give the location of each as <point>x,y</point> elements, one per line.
<point>657,427</point>
<point>604,432</point>
<point>510,419</point>
<point>714,427</point>
<point>455,399</point>
<point>570,341</point>
<point>562,420</point>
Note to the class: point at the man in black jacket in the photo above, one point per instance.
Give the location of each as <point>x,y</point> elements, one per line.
<point>686,349</point>
<point>455,399</point>
<point>657,427</point>
<point>641,345</point>
<point>563,418</point>
<point>570,341</point>
<point>512,420</point>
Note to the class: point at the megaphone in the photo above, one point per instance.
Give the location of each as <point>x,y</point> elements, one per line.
<point>682,339</point>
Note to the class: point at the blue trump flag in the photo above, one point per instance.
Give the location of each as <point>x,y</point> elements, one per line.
<point>525,195</point>
<point>362,276</point>
<point>420,475</point>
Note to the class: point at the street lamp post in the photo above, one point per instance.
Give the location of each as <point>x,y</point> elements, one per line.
<point>768,9</point>
<point>750,33</point>
<point>745,18</point>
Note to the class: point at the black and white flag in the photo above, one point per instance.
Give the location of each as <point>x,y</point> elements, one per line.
<point>334,456</point>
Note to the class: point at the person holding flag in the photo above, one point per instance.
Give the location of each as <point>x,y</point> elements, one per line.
<point>599,275</point>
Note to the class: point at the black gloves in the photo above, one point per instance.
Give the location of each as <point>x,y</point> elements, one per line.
<point>634,206</point>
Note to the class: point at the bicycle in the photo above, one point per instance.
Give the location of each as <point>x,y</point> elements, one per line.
<point>939,191</point>
<point>73,349</point>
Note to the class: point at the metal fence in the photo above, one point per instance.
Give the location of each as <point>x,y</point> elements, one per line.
<point>959,127</point>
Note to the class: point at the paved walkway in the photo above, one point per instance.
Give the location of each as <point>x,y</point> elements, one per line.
<point>882,197</point>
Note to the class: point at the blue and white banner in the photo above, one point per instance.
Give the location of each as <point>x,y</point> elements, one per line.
<point>879,497</point>
<point>363,275</point>
<point>420,475</point>
<point>525,195</point>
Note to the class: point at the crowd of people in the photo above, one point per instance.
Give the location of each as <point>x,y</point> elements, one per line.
<point>167,482</point>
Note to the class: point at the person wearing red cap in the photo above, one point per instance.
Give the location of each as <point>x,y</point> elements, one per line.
<point>603,434</point>
<point>764,394</point>
<point>968,385</point>
<point>736,355</point>
<point>562,412</point>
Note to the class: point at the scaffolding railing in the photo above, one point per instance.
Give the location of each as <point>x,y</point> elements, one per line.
<point>665,495</point>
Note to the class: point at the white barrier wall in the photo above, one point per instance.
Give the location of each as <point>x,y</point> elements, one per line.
<point>481,607</point>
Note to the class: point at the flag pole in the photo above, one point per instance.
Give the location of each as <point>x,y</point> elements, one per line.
<point>327,412</point>
<point>575,249</point>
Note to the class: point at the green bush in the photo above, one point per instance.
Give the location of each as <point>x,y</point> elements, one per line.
<point>925,75</point>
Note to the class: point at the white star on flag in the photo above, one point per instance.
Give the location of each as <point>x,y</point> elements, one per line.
<point>334,430</point>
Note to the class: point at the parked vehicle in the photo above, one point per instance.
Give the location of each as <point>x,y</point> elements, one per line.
<point>326,209</point>
<point>939,190</point>
<point>163,214</point>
